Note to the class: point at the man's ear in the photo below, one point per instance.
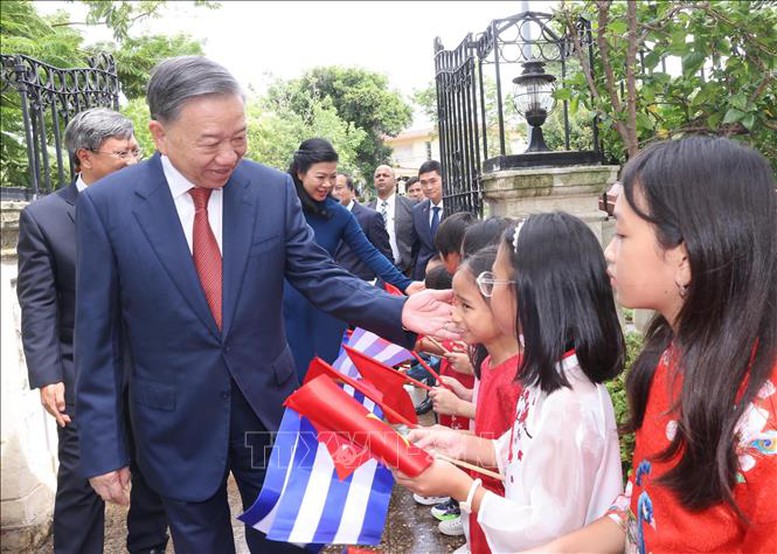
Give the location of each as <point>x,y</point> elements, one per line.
<point>84,158</point>
<point>159,135</point>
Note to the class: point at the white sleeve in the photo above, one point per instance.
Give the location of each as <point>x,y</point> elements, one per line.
<point>550,489</point>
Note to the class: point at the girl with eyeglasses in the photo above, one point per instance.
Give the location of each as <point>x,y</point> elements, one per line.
<point>494,354</point>
<point>696,241</point>
<point>560,458</point>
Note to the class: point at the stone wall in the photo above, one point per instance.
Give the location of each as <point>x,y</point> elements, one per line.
<point>28,447</point>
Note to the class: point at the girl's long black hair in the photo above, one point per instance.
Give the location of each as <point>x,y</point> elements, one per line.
<point>718,199</point>
<point>565,301</point>
<point>311,151</point>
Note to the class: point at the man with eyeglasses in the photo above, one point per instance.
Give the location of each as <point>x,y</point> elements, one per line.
<point>99,142</point>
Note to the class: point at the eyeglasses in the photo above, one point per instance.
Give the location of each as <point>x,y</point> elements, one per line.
<point>123,155</point>
<point>486,282</point>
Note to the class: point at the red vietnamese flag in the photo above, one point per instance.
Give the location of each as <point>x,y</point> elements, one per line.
<point>388,380</point>
<point>320,367</point>
<point>334,413</point>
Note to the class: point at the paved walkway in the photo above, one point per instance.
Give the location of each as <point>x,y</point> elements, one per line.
<point>410,528</point>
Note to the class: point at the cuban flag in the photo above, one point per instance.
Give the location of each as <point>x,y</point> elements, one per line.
<point>373,346</point>
<point>304,502</point>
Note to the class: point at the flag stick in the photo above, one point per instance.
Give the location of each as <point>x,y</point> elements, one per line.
<point>467,465</point>
<point>437,344</point>
<point>428,368</point>
<point>415,382</point>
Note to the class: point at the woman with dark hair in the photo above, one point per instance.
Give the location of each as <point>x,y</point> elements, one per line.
<point>310,331</point>
<point>560,457</point>
<point>696,241</point>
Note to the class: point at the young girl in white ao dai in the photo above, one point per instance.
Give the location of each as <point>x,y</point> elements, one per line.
<point>560,459</point>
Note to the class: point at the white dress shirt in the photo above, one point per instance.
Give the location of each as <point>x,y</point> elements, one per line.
<point>80,185</point>
<point>391,203</point>
<point>349,207</point>
<point>184,203</point>
<point>431,212</point>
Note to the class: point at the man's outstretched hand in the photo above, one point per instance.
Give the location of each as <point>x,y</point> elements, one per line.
<point>429,313</point>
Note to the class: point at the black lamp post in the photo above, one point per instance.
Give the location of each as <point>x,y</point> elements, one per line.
<point>533,97</point>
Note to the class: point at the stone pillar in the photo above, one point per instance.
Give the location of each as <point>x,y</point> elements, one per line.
<point>574,189</point>
<point>29,438</point>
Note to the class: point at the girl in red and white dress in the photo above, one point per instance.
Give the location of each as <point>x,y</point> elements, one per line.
<point>696,241</point>
<point>559,460</point>
<point>495,357</point>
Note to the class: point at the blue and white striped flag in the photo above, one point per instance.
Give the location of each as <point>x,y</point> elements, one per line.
<point>303,501</point>
<point>373,346</point>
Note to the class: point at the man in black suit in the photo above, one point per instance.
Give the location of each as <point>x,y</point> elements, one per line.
<point>371,223</point>
<point>427,215</point>
<point>99,141</point>
<point>397,212</point>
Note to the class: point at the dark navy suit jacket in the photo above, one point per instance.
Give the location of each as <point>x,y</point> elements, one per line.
<point>134,267</point>
<point>425,249</point>
<point>371,223</point>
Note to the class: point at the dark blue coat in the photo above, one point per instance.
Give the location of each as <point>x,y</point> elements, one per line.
<point>374,229</point>
<point>312,332</point>
<point>134,266</point>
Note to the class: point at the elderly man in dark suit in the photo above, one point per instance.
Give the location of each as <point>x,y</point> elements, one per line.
<point>427,215</point>
<point>99,141</point>
<point>397,212</point>
<point>371,223</point>
<point>187,253</point>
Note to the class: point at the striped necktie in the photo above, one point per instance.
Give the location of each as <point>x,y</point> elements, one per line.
<point>384,211</point>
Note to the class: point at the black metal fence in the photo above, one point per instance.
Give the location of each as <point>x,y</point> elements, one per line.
<point>476,118</point>
<point>38,100</point>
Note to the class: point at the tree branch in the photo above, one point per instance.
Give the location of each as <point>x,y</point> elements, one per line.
<point>603,11</point>
<point>581,57</point>
<point>632,143</point>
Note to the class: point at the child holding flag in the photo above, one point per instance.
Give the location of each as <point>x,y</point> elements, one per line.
<point>495,360</point>
<point>560,459</point>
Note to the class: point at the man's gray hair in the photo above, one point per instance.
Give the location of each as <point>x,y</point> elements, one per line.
<point>90,128</point>
<point>176,80</point>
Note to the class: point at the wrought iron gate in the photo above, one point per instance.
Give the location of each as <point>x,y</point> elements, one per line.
<point>472,113</point>
<point>48,97</point>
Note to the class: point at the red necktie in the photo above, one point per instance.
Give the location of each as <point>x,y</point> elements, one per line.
<point>206,254</point>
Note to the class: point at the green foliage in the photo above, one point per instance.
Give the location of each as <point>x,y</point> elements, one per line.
<point>56,40</point>
<point>275,131</point>
<point>25,32</point>
<point>120,16</point>
<point>136,57</point>
<point>137,110</point>
<point>358,96</point>
<point>725,82</point>
<point>580,129</point>
<point>617,390</point>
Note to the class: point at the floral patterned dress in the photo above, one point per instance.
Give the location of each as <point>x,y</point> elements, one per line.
<point>654,518</point>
